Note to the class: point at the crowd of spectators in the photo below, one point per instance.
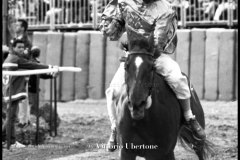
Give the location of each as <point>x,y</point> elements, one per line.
<point>200,10</point>
<point>81,11</point>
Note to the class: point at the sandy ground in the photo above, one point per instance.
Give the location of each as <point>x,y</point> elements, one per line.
<point>85,126</point>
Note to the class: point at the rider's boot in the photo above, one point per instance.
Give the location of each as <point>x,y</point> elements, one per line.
<point>112,142</point>
<point>191,120</point>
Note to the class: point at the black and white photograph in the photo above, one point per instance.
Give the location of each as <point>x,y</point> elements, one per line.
<point>119,79</point>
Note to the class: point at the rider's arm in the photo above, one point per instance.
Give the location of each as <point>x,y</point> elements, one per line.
<point>112,24</point>
<point>165,37</point>
<point>27,64</point>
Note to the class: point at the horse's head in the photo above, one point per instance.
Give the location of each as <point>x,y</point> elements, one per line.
<point>139,76</point>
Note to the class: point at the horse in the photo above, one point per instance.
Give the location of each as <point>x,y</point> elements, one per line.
<point>150,119</point>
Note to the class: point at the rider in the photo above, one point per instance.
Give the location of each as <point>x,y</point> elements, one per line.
<point>155,22</point>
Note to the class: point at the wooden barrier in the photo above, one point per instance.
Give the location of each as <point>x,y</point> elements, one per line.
<point>236,65</point>
<point>226,65</point>
<point>208,56</point>
<point>97,65</point>
<point>54,57</point>
<point>68,59</point>
<point>197,59</point>
<point>211,63</point>
<point>183,50</point>
<point>82,60</point>
<point>40,39</point>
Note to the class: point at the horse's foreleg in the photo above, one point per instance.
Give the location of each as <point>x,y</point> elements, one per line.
<point>127,155</point>
<point>170,156</point>
<point>160,157</point>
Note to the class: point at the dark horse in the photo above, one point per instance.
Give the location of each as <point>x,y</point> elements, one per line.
<point>150,118</point>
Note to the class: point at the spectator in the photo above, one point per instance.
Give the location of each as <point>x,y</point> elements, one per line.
<point>100,8</point>
<point>210,8</point>
<point>11,28</point>
<point>56,10</point>
<point>222,10</point>
<point>33,88</point>
<point>19,10</point>
<point>21,34</point>
<point>31,10</point>
<point>43,6</point>
<point>18,91</point>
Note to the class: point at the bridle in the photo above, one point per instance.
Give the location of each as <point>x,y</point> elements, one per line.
<point>152,72</point>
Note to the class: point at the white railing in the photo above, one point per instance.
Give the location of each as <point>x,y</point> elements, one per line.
<point>86,13</point>
<point>42,71</point>
<point>59,13</point>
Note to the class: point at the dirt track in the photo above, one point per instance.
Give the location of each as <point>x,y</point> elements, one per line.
<point>85,125</point>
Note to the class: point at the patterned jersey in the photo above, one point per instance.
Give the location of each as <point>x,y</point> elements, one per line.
<point>151,27</point>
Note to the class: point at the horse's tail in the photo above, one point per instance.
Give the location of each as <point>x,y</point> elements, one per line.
<point>203,148</point>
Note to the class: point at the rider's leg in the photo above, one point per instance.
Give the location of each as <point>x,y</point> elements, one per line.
<point>178,82</point>
<point>111,94</point>
<point>113,119</point>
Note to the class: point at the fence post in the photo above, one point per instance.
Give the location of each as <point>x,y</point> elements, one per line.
<point>183,15</point>
<point>95,17</point>
<point>9,112</point>
<point>230,13</point>
<point>52,15</point>
<point>5,21</point>
<point>51,108</point>
<point>37,113</point>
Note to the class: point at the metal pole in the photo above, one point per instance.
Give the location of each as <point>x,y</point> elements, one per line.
<point>37,114</point>
<point>52,15</point>
<point>9,109</point>
<point>55,105</point>
<point>5,21</point>
<point>95,18</point>
<point>51,107</point>
<point>230,13</point>
<point>183,15</point>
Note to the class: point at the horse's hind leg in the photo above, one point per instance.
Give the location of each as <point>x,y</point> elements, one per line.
<point>127,155</point>
<point>170,156</point>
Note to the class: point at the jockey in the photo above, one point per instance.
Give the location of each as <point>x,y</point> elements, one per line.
<point>155,22</point>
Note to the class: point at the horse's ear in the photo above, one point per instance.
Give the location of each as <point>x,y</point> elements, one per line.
<point>124,46</point>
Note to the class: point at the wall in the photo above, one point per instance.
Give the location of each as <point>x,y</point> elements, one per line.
<point>207,56</point>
